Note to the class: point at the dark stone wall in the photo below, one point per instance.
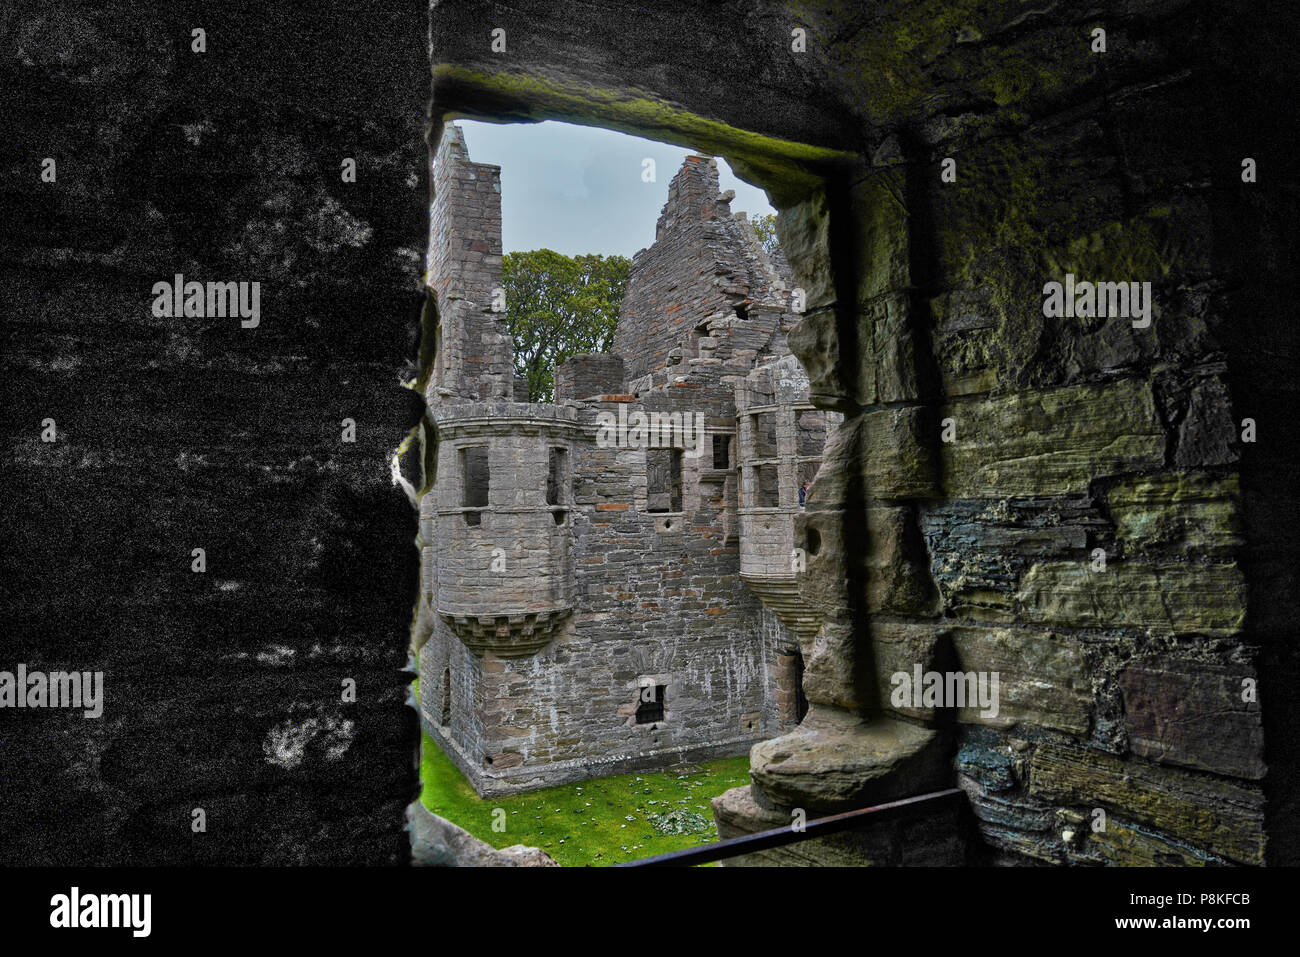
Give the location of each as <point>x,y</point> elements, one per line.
<point>223,689</point>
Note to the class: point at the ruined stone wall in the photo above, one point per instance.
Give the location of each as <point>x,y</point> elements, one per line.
<point>584,376</point>
<point>1083,537</point>
<point>704,278</point>
<point>630,578</point>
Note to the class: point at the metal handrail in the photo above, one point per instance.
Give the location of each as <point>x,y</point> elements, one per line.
<point>782,836</point>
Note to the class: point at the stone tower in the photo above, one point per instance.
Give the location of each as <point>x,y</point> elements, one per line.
<point>473,357</point>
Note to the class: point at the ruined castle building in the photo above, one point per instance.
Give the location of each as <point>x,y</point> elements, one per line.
<point>583,582</point>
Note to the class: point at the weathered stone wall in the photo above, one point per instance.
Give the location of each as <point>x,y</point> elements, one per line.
<point>1066,435</point>
<point>584,376</point>
<point>223,689</point>
<point>705,288</point>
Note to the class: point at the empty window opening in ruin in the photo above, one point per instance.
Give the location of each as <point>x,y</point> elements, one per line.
<point>446,697</point>
<point>568,230</point>
<point>722,452</point>
<point>767,488</point>
<point>439,361</point>
<point>791,703</point>
<point>557,476</point>
<point>742,310</point>
<point>475,476</point>
<point>811,431</point>
<point>663,480</point>
<point>807,472</point>
<point>650,708</point>
<point>700,344</point>
<point>764,435</point>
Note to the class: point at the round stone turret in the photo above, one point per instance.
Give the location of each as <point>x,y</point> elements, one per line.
<point>501,528</point>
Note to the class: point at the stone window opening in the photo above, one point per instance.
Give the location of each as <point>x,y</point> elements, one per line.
<point>811,432</point>
<point>446,697</point>
<point>663,480</point>
<point>801,701</point>
<point>696,347</point>
<point>650,707</point>
<point>557,483</point>
<point>652,714</point>
<point>439,361</point>
<point>475,474</point>
<point>767,487</point>
<point>791,703</point>
<point>722,453</point>
<point>764,424</point>
<point>808,470</point>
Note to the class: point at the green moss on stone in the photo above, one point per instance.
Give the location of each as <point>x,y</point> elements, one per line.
<point>785,168</point>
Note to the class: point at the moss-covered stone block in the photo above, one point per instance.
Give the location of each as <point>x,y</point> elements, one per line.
<point>1220,816</point>
<point>1052,442</point>
<point>1166,598</point>
<point>1196,715</point>
<point>1186,511</point>
<point>1043,678</point>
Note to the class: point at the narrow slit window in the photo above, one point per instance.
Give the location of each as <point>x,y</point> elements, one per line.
<point>767,489</point>
<point>557,477</point>
<point>765,435</point>
<point>812,432</point>
<point>800,700</point>
<point>475,479</point>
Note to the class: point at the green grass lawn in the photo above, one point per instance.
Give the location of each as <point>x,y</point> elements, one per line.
<point>598,822</point>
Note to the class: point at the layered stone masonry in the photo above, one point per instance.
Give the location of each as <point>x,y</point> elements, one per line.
<point>1058,538</point>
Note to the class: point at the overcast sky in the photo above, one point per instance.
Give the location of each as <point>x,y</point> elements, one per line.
<point>578,189</point>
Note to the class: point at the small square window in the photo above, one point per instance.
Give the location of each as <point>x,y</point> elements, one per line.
<point>650,709</point>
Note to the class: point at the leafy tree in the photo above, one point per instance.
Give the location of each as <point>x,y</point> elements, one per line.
<point>765,226</point>
<point>558,306</point>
